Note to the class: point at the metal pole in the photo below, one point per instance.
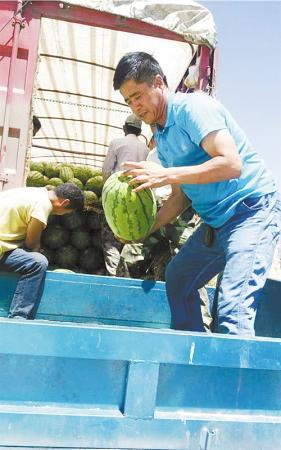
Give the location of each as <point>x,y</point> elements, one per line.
<point>17,23</point>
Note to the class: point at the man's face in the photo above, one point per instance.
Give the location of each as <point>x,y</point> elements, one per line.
<point>145,100</point>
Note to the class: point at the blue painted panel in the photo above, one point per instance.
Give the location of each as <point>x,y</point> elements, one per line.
<point>84,298</point>
<point>51,428</point>
<point>141,389</point>
<point>97,386</point>
<point>62,380</point>
<point>137,344</point>
<point>218,388</point>
<point>123,301</point>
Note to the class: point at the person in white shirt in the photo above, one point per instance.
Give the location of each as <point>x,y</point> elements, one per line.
<point>129,147</point>
<point>120,150</point>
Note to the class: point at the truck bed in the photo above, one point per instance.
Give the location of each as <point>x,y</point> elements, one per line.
<point>100,368</point>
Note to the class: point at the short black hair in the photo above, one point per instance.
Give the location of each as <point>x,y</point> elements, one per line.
<point>36,123</point>
<point>132,130</point>
<point>138,66</point>
<point>72,193</point>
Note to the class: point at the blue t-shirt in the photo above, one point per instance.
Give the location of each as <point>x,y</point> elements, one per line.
<point>190,118</point>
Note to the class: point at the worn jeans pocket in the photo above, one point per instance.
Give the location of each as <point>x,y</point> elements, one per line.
<point>256,203</point>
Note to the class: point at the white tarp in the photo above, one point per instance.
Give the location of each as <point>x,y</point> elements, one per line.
<point>185,17</point>
<point>74,98</point>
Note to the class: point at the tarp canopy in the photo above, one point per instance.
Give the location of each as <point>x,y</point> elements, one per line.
<point>74,99</point>
<point>185,17</point>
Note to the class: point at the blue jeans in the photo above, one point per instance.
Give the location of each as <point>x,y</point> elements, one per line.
<point>243,251</point>
<point>31,266</point>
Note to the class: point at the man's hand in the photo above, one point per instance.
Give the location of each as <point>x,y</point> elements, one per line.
<point>145,174</point>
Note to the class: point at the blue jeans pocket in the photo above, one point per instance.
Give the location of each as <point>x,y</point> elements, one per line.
<point>256,203</point>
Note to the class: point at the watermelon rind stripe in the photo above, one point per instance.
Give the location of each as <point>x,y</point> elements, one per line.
<point>129,214</point>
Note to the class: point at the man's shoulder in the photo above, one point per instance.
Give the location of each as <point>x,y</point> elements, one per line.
<point>25,198</point>
<point>193,105</point>
<point>118,140</point>
<point>193,98</point>
<point>25,191</point>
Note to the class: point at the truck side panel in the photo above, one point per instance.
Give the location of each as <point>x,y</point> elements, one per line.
<point>70,385</point>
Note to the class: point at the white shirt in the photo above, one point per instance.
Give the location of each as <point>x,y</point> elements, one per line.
<point>127,148</point>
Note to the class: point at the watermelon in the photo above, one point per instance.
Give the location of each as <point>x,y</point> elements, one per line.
<point>77,182</point>
<point>95,184</point>
<point>37,167</point>
<point>36,179</point>
<point>80,238</point>
<point>74,220</point>
<point>90,198</point>
<point>83,173</point>
<point>66,173</point>
<point>54,236</point>
<point>49,187</point>
<point>129,214</point>
<point>51,170</point>
<point>63,271</point>
<point>66,256</point>
<point>55,181</point>
<point>91,259</point>
<point>93,221</point>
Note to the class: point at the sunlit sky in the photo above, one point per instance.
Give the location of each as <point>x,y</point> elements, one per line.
<point>249,71</point>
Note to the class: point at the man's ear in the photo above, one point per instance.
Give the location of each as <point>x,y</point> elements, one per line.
<point>158,81</point>
<point>64,202</point>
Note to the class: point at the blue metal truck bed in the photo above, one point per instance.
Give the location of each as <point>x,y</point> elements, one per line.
<point>100,368</point>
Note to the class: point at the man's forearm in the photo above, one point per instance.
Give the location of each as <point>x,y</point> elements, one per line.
<point>171,209</point>
<point>212,171</point>
<point>35,247</point>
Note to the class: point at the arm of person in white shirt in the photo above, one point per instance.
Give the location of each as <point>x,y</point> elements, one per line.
<point>109,163</point>
<point>172,208</point>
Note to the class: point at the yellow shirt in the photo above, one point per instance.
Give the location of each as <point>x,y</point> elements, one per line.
<point>17,207</point>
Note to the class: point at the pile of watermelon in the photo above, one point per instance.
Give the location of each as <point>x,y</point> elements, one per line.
<point>51,175</point>
<point>73,242</point>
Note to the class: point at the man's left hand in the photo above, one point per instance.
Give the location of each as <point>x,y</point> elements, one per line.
<point>145,174</point>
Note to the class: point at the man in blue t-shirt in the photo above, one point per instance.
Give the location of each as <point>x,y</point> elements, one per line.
<point>206,158</point>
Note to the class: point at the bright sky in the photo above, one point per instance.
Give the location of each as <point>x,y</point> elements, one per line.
<point>249,71</point>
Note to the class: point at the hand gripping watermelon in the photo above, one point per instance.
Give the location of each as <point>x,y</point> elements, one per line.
<point>129,214</point>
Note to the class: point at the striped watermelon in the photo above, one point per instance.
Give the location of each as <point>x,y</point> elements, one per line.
<point>129,214</point>
<point>66,173</point>
<point>36,179</point>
